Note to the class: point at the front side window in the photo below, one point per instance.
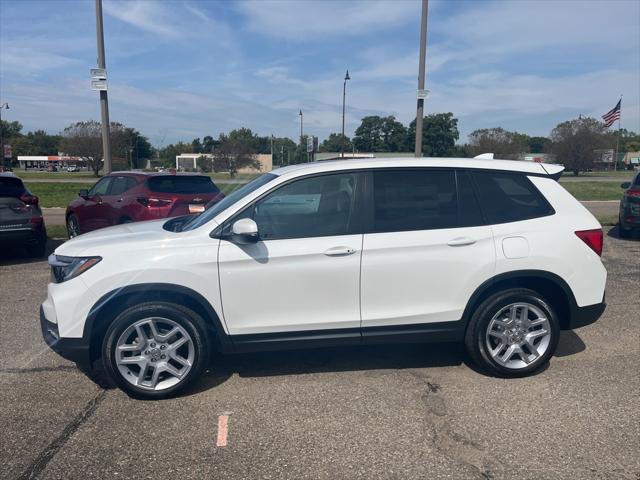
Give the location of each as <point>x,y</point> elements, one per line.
<point>509,197</point>
<point>410,199</point>
<point>102,187</point>
<point>318,206</point>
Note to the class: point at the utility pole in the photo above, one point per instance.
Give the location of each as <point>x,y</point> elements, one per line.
<point>104,104</point>
<point>344,94</point>
<point>421,70</point>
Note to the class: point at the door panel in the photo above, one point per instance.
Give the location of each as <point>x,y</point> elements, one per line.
<point>418,277</point>
<point>94,212</point>
<point>290,285</point>
<point>304,273</point>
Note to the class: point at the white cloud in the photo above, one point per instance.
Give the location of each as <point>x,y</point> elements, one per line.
<point>308,21</point>
<point>147,15</point>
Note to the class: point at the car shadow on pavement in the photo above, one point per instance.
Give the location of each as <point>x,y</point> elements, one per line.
<point>19,256</point>
<point>614,232</point>
<point>334,359</point>
<point>570,343</point>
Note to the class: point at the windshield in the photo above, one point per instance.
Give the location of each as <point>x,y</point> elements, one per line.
<point>227,201</point>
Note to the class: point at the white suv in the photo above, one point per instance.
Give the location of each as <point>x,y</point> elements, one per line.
<point>493,253</point>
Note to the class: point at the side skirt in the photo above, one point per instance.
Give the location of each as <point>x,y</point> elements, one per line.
<point>419,333</point>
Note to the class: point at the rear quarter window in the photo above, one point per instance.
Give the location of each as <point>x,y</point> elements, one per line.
<point>181,184</point>
<point>509,197</point>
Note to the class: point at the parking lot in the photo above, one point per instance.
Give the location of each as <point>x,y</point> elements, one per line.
<point>417,411</point>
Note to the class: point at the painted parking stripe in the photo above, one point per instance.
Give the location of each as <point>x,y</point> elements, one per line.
<point>223,430</point>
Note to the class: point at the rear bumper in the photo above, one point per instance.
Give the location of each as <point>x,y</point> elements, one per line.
<point>74,349</point>
<point>582,316</point>
<point>26,236</point>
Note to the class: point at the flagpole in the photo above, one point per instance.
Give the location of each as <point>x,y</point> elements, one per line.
<point>615,158</point>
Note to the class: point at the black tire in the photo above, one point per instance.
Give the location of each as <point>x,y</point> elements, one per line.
<point>186,318</point>
<point>475,337</point>
<point>124,220</point>
<point>73,226</point>
<point>624,232</point>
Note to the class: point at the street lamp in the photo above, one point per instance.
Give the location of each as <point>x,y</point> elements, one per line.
<point>2,160</point>
<point>344,93</point>
<point>301,116</point>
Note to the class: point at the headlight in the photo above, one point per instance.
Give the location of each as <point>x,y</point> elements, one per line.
<point>66,268</point>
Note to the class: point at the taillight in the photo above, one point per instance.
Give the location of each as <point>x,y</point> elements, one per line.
<point>593,238</point>
<point>633,193</point>
<point>29,200</point>
<point>154,202</point>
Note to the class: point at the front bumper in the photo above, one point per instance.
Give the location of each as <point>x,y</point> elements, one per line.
<point>74,349</point>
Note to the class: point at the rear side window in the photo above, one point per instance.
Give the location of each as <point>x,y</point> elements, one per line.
<point>121,185</point>
<point>181,184</point>
<point>509,197</point>
<point>408,199</point>
<point>11,187</point>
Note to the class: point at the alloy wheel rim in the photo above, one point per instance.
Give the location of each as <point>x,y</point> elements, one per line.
<point>154,353</point>
<point>518,335</point>
<point>72,227</point>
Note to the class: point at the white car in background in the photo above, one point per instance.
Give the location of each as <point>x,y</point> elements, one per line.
<point>492,253</point>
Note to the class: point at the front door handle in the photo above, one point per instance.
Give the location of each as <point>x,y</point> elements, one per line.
<point>461,241</point>
<point>339,251</point>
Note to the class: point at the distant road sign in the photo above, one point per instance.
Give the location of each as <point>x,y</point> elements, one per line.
<point>424,94</point>
<point>7,151</point>
<point>98,73</point>
<point>100,85</point>
<point>309,143</point>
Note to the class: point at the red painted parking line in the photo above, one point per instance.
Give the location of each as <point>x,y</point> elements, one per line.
<point>223,430</point>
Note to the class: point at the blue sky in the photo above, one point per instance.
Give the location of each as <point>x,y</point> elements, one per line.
<point>180,69</point>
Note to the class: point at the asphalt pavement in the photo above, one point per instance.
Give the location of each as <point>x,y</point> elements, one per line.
<point>417,411</point>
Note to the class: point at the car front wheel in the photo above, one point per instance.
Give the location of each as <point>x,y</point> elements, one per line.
<point>73,227</point>
<point>513,333</point>
<point>154,350</point>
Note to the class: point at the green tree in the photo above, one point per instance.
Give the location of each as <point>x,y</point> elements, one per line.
<point>380,134</point>
<point>336,142</point>
<point>538,144</point>
<point>10,129</point>
<point>283,149</point>
<point>439,135</point>
<point>575,142</point>
<point>502,143</point>
<point>233,154</point>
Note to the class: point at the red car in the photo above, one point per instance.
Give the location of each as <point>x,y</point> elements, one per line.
<point>123,197</point>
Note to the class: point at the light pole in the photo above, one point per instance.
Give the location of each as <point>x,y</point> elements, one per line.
<point>301,117</point>
<point>4,105</point>
<point>104,104</point>
<point>344,94</point>
<point>421,69</point>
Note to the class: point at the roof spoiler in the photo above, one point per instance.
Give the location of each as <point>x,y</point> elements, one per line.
<point>553,170</point>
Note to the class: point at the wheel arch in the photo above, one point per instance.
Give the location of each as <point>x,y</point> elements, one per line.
<point>110,305</point>
<point>553,288</point>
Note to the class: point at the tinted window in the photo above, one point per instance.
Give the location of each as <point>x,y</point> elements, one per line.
<point>312,207</point>
<point>468,208</point>
<point>637,181</point>
<point>120,185</point>
<point>181,184</point>
<point>509,197</point>
<point>414,200</point>
<point>11,187</point>
<point>102,187</point>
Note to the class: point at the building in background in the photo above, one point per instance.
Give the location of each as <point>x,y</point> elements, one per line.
<point>49,162</point>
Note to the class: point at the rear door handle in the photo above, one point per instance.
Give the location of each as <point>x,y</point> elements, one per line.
<point>461,242</point>
<point>339,251</point>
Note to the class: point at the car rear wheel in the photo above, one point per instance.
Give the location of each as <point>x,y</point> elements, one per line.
<point>39,249</point>
<point>624,232</point>
<point>73,227</point>
<point>154,350</point>
<point>513,333</point>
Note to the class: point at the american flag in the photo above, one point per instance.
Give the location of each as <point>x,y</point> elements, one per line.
<point>612,115</point>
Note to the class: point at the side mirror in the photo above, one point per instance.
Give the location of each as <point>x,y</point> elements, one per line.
<point>84,193</point>
<point>245,231</point>
<point>625,185</point>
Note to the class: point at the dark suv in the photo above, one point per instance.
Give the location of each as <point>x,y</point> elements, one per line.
<point>629,216</point>
<point>21,222</point>
<point>123,197</point>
